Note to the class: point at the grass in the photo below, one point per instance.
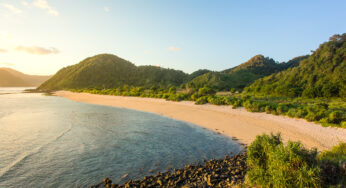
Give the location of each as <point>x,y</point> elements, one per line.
<point>273,164</point>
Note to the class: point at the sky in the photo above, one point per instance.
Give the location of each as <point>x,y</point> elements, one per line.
<point>42,36</point>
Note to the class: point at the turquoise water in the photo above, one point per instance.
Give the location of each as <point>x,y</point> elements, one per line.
<point>48,141</point>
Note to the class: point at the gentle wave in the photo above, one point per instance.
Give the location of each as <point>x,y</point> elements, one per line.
<point>69,144</point>
<point>22,157</point>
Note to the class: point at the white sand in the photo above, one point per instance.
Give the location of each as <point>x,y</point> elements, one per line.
<point>236,123</point>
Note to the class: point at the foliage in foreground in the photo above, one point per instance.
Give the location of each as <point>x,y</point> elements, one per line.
<point>333,164</point>
<point>272,164</point>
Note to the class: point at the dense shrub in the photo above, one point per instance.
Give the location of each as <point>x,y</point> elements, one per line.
<point>292,112</point>
<point>177,97</point>
<point>206,91</point>
<point>217,100</point>
<point>202,100</point>
<point>172,90</point>
<point>271,164</point>
<point>343,124</point>
<point>301,113</point>
<point>282,108</point>
<point>335,117</point>
<point>333,165</point>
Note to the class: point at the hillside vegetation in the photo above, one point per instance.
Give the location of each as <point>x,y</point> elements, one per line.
<point>13,78</point>
<point>242,75</point>
<point>109,71</point>
<point>106,71</point>
<point>309,87</point>
<point>323,74</point>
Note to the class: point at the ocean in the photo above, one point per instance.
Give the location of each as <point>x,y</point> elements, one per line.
<point>49,141</point>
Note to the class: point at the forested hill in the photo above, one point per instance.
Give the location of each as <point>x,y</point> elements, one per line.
<point>13,78</point>
<point>109,71</point>
<point>323,74</point>
<point>242,75</point>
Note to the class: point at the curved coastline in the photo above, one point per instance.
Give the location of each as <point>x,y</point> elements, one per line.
<point>234,123</point>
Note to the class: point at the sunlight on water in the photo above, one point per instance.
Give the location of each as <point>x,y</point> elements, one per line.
<point>48,141</point>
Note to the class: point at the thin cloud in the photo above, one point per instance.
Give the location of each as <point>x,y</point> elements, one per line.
<point>12,8</point>
<point>173,49</point>
<point>42,4</point>
<point>5,35</point>
<point>3,50</point>
<point>6,64</point>
<point>106,9</point>
<point>37,50</point>
<point>24,3</point>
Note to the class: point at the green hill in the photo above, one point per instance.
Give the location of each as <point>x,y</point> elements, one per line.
<point>242,75</point>
<point>13,78</point>
<point>109,71</point>
<point>198,73</point>
<point>323,74</point>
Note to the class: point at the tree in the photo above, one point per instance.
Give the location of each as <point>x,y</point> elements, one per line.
<point>172,89</point>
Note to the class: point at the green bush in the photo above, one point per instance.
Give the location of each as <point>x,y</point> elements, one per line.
<point>271,164</point>
<point>177,97</point>
<point>268,109</point>
<point>282,108</point>
<point>314,116</point>
<point>202,100</point>
<point>301,113</point>
<point>206,91</point>
<point>194,96</point>
<point>217,100</point>
<point>335,117</point>
<point>172,90</point>
<point>292,112</point>
<point>343,124</point>
<point>333,165</point>
<point>236,104</point>
<point>336,155</point>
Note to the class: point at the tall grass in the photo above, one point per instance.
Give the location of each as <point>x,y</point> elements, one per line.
<point>271,164</point>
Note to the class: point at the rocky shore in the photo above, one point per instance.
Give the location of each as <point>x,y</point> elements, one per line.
<point>226,172</point>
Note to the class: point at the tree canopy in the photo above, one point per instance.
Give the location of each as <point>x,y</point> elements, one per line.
<point>242,75</point>
<point>323,74</point>
<point>109,71</point>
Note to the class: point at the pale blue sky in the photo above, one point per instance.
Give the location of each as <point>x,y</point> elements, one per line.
<point>42,36</point>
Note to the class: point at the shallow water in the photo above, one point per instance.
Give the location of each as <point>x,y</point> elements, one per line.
<point>48,141</point>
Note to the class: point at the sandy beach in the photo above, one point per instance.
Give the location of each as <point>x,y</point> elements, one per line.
<point>235,123</point>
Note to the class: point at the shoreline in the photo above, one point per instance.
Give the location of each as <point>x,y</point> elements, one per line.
<point>234,123</point>
<point>229,171</point>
